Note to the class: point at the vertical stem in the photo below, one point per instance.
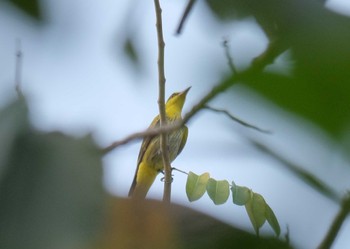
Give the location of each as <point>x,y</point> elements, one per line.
<point>161,103</point>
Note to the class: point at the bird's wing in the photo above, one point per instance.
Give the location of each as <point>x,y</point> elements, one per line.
<point>147,140</point>
<point>145,143</point>
<point>184,139</point>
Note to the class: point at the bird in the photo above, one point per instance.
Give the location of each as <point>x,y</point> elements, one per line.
<point>150,161</point>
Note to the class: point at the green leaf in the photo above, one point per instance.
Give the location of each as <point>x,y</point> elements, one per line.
<point>256,209</point>
<point>131,52</point>
<point>240,195</point>
<point>218,191</point>
<point>13,121</point>
<point>31,8</point>
<point>272,220</point>
<point>196,185</point>
<point>226,10</point>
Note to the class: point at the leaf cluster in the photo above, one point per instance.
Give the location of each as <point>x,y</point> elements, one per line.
<point>219,190</point>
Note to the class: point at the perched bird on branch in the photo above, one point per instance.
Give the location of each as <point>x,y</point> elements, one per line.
<point>150,161</point>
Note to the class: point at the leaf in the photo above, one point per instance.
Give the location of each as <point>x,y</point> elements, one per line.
<point>240,195</point>
<point>13,121</point>
<point>272,220</point>
<point>227,10</point>
<point>316,87</point>
<point>196,185</point>
<point>131,52</point>
<point>256,209</point>
<point>31,8</point>
<point>218,191</point>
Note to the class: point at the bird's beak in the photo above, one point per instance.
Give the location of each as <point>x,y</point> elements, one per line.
<point>185,91</point>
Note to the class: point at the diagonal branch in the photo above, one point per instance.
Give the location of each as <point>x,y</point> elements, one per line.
<point>307,177</point>
<point>236,119</point>
<point>187,11</point>
<point>337,223</point>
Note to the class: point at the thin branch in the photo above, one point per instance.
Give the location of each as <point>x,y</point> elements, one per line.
<point>142,134</point>
<point>312,180</point>
<point>337,223</point>
<point>236,119</point>
<point>187,11</point>
<point>229,57</point>
<point>161,103</point>
<point>273,50</point>
<point>18,68</point>
<point>216,90</point>
<point>179,170</point>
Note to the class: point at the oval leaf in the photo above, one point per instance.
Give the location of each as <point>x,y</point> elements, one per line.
<point>240,195</point>
<point>196,185</point>
<point>218,191</point>
<point>256,209</point>
<point>272,220</point>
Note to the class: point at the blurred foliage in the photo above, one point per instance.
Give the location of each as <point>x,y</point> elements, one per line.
<point>51,190</point>
<point>130,51</point>
<point>51,196</point>
<point>151,225</point>
<point>317,87</point>
<point>30,7</point>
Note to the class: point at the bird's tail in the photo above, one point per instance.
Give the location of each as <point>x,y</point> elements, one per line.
<point>143,180</point>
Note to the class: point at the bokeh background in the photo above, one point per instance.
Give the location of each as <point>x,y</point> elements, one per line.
<point>79,79</point>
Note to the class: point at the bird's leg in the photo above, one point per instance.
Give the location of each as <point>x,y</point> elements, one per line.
<point>163,178</point>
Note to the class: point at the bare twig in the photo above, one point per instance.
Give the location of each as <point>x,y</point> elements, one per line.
<point>337,223</point>
<point>18,68</point>
<point>312,180</point>
<point>179,170</point>
<point>142,134</point>
<point>187,11</point>
<point>229,57</point>
<point>236,119</point>
<point>161,103</point>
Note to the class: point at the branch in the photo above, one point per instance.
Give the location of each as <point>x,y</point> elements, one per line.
<point>337,223</point>
<point>161,103</point>
<point>184,16</point>
<point>236,119</point>
<point>229,57</point>
<point>142,134</point>
<point>312,180</point>
<point>273,50</point>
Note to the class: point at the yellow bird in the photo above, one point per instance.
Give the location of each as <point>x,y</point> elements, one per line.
<point>150,161</point>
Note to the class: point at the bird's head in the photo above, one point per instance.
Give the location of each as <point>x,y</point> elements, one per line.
<point>175,102</point>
